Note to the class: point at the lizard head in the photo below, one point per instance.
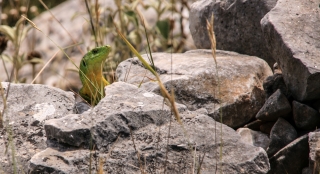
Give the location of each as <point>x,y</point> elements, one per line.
<point>93,60</point>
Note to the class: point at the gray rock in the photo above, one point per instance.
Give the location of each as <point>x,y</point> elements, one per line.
<point>63,162</point>
<point>125,107</point>
<point>237,157</point>
<point>254,138</point>
<point>235,21</point>
<point>291,32</point>
<point>275,107</point>
<point>292,158</point>
<point>196,84</point>
<point>305,117</point>
<point>28,106</point>
<point>130,120</point>
<point>275,82</point>
<point>282,133</point>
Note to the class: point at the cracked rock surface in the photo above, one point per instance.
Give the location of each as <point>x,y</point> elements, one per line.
<point>195,81</point>
<point>131,121</point>
<point>28,106</point>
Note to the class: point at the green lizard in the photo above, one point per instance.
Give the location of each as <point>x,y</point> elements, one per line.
<point>91,74</point>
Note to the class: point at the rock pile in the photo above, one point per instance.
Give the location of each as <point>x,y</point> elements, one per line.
<point>289,35</point>
<point>127,123</point>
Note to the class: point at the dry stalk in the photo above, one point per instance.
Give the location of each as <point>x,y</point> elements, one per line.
<point>210,28</point>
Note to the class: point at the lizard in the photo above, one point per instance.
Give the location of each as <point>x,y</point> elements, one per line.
<point>91,76</point>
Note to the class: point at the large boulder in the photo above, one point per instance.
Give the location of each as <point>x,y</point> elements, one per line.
<point>27,107</point>
<point>131,122</point>
<point>236,25</point>
<point>235,88</point>
<point>292,34</point>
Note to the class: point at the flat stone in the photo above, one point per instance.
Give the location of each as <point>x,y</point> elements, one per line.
<point>282,133</point>
<point>292,34</point>
<point>305,117</point>
<point>254,138</point>
<point>238,92</point>
<point>292,158</point>
<point>234,23</point>
<point>28,107</point>
<point>275,107</point>
<point>53,161</point>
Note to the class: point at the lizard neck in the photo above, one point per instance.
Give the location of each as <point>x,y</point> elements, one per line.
<point>96,78</point>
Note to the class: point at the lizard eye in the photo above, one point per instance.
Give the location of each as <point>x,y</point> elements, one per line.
<point>84,63</point>
<point>94,51</point>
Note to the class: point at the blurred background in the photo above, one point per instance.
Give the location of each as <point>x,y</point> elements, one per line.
<point>64,30</point>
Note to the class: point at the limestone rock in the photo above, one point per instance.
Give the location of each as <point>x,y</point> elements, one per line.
<point>292,34</point>
<point>130,120</point>
<point>254,138</point>
<point>237,156</point>
<point>305,117</point>
<point>28,106</point>
<point>196,84</point>
<point>292,158</point>
<point>276,106</point>
<point>125,107</point>
<point>234,25</point>
<point>282,133</point>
